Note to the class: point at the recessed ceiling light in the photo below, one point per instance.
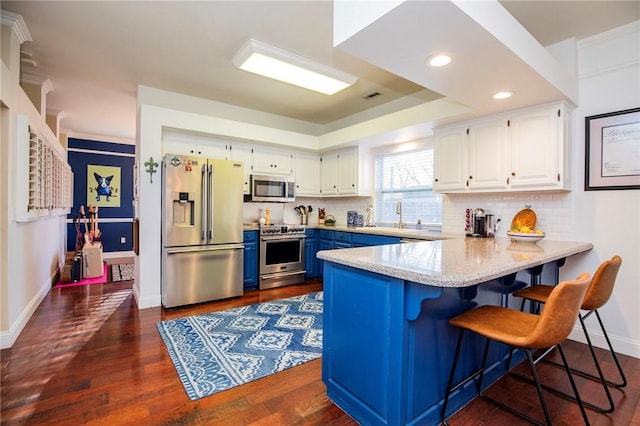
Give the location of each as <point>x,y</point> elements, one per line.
<point>502,95</point>
<point>438,60</point>
<point>269,61</point>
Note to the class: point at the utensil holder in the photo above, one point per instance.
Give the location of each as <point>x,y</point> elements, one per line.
<point>304,219</point>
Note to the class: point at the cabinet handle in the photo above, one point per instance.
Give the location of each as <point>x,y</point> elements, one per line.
<point>558,177</point>
<point>353,185</point>
<point>470,177</point>
<point>507,181</point>
<point>467,184</point>
<point>436,179</point>
<point>513,173</point>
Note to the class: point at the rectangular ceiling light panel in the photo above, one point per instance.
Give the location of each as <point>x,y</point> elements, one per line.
<point>272,62</point>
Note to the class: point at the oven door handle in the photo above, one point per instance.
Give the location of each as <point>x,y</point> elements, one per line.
<point>284,237</point>
<point>282,274</point>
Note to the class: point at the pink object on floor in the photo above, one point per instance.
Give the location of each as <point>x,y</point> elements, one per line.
<point>87,281</point>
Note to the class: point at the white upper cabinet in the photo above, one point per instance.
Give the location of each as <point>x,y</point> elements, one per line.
<point>176,142</point>
<point>488,150</point>
<point>307,174</point>
<point>538,149</point>
<point>348,183</point>
<point>450,168</point>
<point>244,153</point>
<point>522,150</point>
<point>345,172</point>
<point>272,161</point>
<point>329,174</point>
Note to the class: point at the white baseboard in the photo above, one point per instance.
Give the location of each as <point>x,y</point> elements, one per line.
<point>147,302</point>
<point>8,338</point>
<point>117,254</point>
<point>621,345</point>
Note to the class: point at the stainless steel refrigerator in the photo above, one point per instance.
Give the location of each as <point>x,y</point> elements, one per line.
<point>202,250</point>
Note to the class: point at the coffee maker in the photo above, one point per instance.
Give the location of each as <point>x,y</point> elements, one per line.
<point>479,223</point>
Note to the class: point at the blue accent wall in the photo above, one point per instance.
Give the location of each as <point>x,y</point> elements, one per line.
<point>113,222</point>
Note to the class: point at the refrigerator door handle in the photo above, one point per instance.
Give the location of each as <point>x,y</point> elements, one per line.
<point>210,201</point>
<point>199,249</point>
<point>203,203</point>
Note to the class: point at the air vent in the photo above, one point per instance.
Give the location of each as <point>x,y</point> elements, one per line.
<point>371,95</point>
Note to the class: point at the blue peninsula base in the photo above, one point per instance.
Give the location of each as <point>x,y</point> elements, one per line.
<point>388,346</point>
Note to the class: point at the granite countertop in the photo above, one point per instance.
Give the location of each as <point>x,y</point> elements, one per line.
<point>406,233</point>
<point>456,262</point>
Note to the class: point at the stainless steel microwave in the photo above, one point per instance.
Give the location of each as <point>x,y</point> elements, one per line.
<point>272,188</point>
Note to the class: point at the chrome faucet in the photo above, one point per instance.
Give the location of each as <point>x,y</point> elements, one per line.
<point>399,212</point>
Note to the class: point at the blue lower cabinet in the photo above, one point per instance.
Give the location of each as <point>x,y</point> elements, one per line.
<point>342,239</point>
<point>250,240</point>
<point>364,240</point>
<point>310,250</point>
<point>325,242</point>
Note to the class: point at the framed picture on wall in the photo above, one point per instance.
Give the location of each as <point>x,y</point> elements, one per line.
<point>612,151</point>
<point>103,186</point>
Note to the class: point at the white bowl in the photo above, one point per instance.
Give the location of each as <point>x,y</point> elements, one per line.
<point>529,238</point>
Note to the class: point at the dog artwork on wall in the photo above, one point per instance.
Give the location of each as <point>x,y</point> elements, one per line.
<point>104,186</point>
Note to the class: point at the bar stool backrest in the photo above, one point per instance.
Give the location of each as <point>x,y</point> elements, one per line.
<point>601,287</point>
<point>559,314</point>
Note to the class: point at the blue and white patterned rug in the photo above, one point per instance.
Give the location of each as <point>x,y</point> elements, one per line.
<point>220,350</point>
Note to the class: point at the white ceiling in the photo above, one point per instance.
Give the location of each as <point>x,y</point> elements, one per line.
<point>96,53</point>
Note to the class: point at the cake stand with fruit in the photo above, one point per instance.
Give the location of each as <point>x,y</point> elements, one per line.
<point>523,227</point>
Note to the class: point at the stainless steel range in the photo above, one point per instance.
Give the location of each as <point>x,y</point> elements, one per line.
<point>281,255</point>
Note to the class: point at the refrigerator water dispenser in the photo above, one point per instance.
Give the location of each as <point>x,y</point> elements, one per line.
<point>183,209</point>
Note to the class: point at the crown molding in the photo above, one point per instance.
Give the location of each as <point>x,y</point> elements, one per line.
<point>16,22</point>
<point>45,83</point>
<point>56,113</point>
<point>47,86</point>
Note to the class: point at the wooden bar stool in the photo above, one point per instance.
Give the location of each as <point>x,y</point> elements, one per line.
<point>598,293</point>
<point>526,332</point>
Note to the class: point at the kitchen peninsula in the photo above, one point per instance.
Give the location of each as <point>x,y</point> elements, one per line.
<point>388,346</point>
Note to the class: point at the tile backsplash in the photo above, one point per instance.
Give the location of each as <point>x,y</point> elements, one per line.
<point>285,213</point>
<point>553,210</point>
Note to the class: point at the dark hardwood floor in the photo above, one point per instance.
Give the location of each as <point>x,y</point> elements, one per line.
<point>89,356</point>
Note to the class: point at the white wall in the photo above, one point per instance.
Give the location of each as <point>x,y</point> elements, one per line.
<point>609,77</point>
<point>31,252</point>
<point>609,80</point>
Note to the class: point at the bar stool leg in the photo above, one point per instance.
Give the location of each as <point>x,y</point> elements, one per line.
<point>450,387</point>
<point>600,374</point>
<point>536,381</point>
<point>573,385</point>
<point>613,354</point>
<point>600,377</point>
<point>451,375</point>
<point>484,364</point>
